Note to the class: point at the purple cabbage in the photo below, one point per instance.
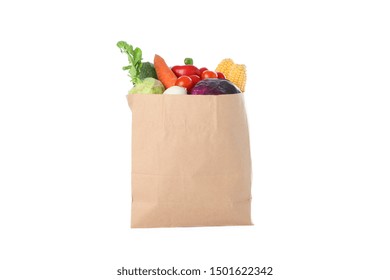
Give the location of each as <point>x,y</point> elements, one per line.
<point>214,87</point>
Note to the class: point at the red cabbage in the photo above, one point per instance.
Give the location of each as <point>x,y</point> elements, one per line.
<point>214,87</point>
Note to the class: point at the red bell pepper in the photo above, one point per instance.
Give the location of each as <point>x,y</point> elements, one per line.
<point>185,70</point>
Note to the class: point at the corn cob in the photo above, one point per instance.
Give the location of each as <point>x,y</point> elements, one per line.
<point>236,73</point>
<point>224,66</point>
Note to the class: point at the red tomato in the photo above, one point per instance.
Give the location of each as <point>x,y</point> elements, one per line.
<point>195,79</point>
<point>209,74</point>
<point>184,81</point>
<point>221,75</point>
<point>201,70</point>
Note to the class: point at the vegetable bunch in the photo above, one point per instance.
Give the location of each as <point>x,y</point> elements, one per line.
<point>158,77</point>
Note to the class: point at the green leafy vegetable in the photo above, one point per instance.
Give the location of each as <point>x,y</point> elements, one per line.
<point>135,61</point>
<point>148,85</point>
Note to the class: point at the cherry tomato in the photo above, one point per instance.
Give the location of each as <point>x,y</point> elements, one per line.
<point>184,81</point>
<point>201,70</point>
<point>209,74</point>
<point>195,79</point>
<point>221,75</point>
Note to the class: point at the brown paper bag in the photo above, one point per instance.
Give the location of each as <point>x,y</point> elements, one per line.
<point>191,162</point>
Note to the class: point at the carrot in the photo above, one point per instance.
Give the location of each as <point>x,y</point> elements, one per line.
<point>164,73</point>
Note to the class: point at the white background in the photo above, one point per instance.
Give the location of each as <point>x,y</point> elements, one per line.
<point>318,107</point>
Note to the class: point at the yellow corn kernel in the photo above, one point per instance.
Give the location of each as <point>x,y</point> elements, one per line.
<point>224,66</point>
<point>237,75</point>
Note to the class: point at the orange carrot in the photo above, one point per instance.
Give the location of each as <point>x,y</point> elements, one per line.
<point>164,73</point>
